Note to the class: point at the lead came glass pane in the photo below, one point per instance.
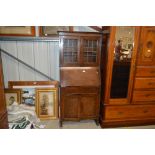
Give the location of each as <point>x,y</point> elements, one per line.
<point>90,51</point>
<point>70,51</point>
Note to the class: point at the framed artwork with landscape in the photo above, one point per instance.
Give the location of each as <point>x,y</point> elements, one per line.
<point>28,96</point>
<point>47,103</point>
<point>17,31</point>
<point>53,30</point>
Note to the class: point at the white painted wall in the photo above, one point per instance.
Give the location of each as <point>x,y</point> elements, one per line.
<point>43,56</point>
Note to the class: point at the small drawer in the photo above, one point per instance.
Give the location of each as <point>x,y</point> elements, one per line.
<point>145,71</point>
<point>144,83</point>
<point>143,96</point>
<point>129,112</point>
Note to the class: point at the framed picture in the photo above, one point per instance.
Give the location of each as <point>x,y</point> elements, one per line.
<point>12,96</point>
<point>130,46</point>
<point>17,31</point>
<point>47,103</point>
<point>52,30</point>
<point>28,89</point>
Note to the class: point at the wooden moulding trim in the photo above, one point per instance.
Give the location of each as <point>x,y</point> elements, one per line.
<point>109,64</point>
<point>32,33</point>
<point>133,64</point>
<point>81,34</point>
<point>118,101</point>
<point>31,83</point>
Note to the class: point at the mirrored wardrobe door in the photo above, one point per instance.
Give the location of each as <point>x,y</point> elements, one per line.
<point>122,56</point>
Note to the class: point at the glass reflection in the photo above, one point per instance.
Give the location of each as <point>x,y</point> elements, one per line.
<point>124,43</point>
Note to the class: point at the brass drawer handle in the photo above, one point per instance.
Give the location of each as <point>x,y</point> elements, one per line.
<point>152,71</point>
<point>120,113</point>
<point>150,83</point>
<point>145,111</point>
<point>147,95</point>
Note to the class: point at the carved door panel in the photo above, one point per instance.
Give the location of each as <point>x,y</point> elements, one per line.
<point>146,53</point>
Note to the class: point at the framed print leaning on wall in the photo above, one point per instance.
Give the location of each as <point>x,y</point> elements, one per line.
<point>47,103</point>
<point>28,96</point>
<point>17,31</point>
<point>12,96</point>
<point>52,30</point>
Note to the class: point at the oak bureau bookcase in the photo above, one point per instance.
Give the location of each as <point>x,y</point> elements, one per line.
<point>79,76</point>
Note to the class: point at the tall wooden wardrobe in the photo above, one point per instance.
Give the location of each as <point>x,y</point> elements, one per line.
<point>3,111</point>
<point>128,96</point>
<point>79,76</point>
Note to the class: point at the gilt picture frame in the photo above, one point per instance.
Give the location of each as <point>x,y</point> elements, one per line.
<point>17,30</point>
<point>28,96</point>
<point>47,103</point>
<point>12,96</point>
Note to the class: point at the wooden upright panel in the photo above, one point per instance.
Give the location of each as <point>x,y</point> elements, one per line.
<point>3,111</point>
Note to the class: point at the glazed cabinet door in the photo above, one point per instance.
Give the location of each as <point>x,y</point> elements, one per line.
<point>90,52</point>
<point>89,105</point>
<point>70,49</point>
<point>121,59</point>
<point>146,53</point>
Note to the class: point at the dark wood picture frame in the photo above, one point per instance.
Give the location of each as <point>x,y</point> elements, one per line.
<point>11,84</point>
<point>9,33</point>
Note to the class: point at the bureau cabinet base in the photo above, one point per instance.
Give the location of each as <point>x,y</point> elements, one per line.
<point>126,123</point>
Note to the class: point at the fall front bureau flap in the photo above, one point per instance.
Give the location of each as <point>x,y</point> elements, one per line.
<point>79,76</point>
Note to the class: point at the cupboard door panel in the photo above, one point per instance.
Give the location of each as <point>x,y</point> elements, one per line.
<point>89,105</point>
<point>71,106</point>
<point>146,53</point>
